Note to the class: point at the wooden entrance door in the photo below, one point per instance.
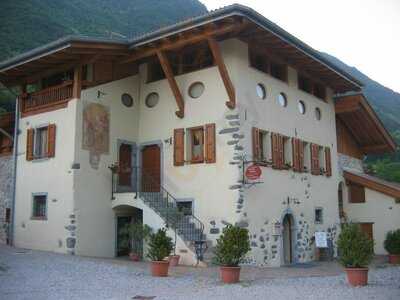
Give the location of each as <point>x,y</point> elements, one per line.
<point>367,228</point>
<point>125,165</point>
<point>287,240</point>
<point>151,168</point>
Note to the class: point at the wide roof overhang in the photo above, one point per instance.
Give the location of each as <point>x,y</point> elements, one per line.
<point>365,126</point>
<point>231,21</point>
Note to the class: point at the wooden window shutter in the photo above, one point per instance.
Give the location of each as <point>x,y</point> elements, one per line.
<point>275,150</point>
<point>328,164</point>
<point>256,144</point>
<point>281,163</point>
<point>210,144</point>
<point>51,140</point>
<point>301,155</point>
<point>179,147</point>
<point>296,155</point>
<point>356,193</point>
<point>314,159</point>
<point>29,144</point>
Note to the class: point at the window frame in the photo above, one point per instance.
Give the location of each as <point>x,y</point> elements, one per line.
<point>36,131</point>
<point>321,221</point>
<point>33,216</point>
<point>190,131</point>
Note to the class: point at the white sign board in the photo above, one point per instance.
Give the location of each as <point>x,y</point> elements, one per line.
<point>321,240</point>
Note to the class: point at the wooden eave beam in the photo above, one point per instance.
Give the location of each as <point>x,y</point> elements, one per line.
<point>344,106</point>
<point>180,113</point>
<point>377,185</point>
<point>223,71</point>
<point>183,41</point>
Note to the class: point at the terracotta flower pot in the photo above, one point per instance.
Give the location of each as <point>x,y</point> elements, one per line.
<point>230,274</point>
<point>159,268</point>
<point>174,260</point>
<point>394,259</point>
<point>134,256</point>
<point>357,276</point>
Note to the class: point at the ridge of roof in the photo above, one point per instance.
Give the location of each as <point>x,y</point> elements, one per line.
<point>226,11</point>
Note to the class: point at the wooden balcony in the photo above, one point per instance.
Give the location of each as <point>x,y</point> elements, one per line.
<point>48,99</point>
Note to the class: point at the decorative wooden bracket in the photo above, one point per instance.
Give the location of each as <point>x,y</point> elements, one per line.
<point>216,52</point>
<point>180,113</point>
<point>77,87</point>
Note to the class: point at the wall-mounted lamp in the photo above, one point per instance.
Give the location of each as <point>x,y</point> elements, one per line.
<point>100,94</point>
<point>168,141</point>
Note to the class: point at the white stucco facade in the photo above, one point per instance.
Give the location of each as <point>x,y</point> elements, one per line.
<point>81,215</point>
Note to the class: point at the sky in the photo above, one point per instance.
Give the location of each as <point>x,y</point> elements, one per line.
<point>362,33</point>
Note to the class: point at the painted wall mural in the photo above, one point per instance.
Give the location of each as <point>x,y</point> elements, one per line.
<point>96,131</point>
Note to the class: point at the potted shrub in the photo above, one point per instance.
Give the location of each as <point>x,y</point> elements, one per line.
<point>231,248</point>
<point>392,246</point>
<point>159,247</point>
<point>356,252</point>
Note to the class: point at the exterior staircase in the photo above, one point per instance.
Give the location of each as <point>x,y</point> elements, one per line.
<point>187,226</point>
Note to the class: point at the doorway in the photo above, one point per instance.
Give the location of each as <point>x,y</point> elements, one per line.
<point>151,168</point>
<point>125,217</point>
<point>287,237</point>
<point>127,170</point>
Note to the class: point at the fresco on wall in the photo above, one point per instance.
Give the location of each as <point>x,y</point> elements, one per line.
<point>96,131</point>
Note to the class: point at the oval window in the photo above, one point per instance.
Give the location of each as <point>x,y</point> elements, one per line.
<point>196,89</point>
<point>127,100</point>
<point>318,113</point>
<point>302,107</point>
<point>282,100</point>
<point>261,91</point>
<point>152,100</point>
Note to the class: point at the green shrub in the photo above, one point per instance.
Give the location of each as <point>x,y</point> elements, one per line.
<point>160,245</point>
<point>355,248</point>
<point>232,246</point>
<point>392,242</point>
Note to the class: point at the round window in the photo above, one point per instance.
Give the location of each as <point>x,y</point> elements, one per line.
<point>282,100</point>
<point>152,100</point>
<point>261,91</point>
<point>196,89</point>
<point>302,107</point>
<point>318,113</point>
<point>127,100</point>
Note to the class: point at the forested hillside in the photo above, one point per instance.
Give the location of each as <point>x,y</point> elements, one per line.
<point>26,24</point>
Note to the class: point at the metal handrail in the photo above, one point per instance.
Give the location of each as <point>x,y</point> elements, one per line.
<point>165,204</point>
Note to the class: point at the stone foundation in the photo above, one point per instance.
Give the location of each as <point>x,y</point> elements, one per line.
<point>6,167</point>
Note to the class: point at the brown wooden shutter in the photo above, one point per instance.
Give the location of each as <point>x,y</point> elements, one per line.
<point>256,144</point>
<point>51,140</point>
<point>328,164</point>
<point>314,159</point>
<point>275,150</point>
<point>210,143</point>
<point>295,155</point>
<point>356,193</point>
<point>281,163</point>
<point>179,147</point>
<point>29,144</point>
<point>301,155</point>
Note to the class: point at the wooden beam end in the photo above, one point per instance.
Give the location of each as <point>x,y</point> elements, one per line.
<point>180,114</point>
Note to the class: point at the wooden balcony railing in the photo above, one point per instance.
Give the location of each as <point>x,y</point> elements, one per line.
<point>47,99</point>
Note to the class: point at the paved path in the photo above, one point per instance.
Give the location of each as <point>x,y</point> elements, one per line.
<point>42,275</point>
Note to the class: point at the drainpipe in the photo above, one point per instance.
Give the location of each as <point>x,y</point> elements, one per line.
<point>14,176</point>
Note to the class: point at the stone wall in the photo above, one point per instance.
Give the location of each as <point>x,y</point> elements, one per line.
<point>6,164</point>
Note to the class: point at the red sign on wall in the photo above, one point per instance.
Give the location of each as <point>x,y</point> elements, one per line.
<point>253,172</point>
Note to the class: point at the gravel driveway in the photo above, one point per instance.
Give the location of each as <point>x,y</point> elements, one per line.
<point>42,275</point>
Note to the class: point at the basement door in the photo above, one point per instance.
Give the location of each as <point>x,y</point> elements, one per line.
<point>122,237</point>
<point>151,168</point>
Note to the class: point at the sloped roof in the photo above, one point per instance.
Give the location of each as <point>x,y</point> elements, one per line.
<point>374,183</point>
<point>296,48</point>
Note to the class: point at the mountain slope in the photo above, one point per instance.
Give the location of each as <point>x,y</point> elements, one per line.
<point>26,24</point>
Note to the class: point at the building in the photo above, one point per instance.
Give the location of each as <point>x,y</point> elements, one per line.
<point>172,125</point>
<point>6,173</point>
